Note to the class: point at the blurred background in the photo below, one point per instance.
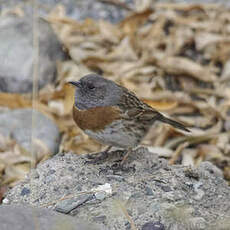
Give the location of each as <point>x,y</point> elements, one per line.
<point>175,57</point>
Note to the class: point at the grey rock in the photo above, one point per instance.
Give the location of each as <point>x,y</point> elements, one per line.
<point>115,177</point>
<point>153,226</point>
<point>25,191</point>
<point>100,218</point>
<point>76,9</point>
<point>149,191</point>
<point>21,217</point>
<point>176,209</point>
<point>66,206</point>
<point>16,54</point>
<point>100,195</point>
<point>18,125</point>
<point>199,192</point>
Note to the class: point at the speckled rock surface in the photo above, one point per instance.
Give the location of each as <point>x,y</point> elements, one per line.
<point>146,190</point>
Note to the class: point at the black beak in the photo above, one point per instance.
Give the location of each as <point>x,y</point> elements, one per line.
<point>75,83</point>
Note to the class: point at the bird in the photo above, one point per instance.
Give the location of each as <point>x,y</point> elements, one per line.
<point>113,115</point>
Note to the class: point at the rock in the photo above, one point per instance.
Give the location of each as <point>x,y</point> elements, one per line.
<point>66,206</point>
<point>78,10</point>
<point>153,226</point>
<point>25,191</point>
<point>21,217</point>
<point>176,208</point>
<point>16,54</point>
<point>100,195</point>
<point>148,191</point>
<point>16,40</point>
<point>18,123</point>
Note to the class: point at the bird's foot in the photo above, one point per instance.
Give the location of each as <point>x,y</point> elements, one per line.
<point>125,157</point>
<point>120,165</point>
<point>98,157</point>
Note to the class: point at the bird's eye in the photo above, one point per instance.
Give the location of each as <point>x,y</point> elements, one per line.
<point>91,86</point>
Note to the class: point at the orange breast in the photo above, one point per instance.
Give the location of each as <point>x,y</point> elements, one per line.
<point>95,119</point>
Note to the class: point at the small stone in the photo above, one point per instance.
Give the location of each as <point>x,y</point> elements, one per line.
<point>148,191</point>
<point>100,195</point>
<point>50,172</point>
<point>25,191</point>
<point>166,188</point>
<point>5,201</point>
<point>106,188</point>
<point>66,206</point>
<point>199,194</point>
<point>115,177</point>
<point>197,185</point>
<point>101,218</point>
<point>153,226</point>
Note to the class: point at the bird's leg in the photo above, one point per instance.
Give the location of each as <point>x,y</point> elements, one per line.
<point>99,157</point>
<point>126,156</point>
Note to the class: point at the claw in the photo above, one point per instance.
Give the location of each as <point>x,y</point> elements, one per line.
<point>98,157</point>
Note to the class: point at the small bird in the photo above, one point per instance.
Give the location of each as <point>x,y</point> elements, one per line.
<point>113,115</point>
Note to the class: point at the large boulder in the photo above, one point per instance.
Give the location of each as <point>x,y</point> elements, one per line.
<point>16,40</point>
<point>76,9</point>
<point>21,217</point>
<point>18,125</point>
<point>16,54</point>
<point>146,192</point>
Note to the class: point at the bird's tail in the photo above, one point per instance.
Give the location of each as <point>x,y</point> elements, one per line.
<point>173,123</point>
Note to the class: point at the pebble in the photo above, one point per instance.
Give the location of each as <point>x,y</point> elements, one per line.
<point>25,191</point>
<point>148,191</point>
<point>66,206</point>
<point>100,195</point>
<point>153,226</point>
